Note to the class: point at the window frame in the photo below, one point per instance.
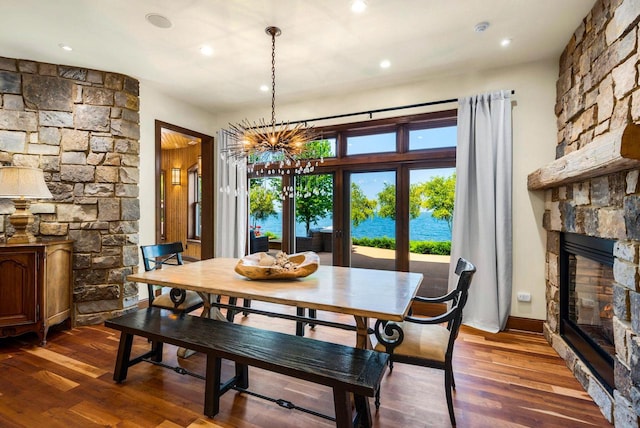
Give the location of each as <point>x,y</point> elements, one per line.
<point>402,161</point>
<point>194,203</point>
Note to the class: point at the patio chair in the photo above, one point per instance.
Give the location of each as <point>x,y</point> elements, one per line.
<point>429,341</point>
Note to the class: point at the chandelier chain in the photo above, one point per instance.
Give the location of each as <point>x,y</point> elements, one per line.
<point>275,148</point>
<point>273,79</point>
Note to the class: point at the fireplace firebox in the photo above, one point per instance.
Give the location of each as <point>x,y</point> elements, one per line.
<point>586,302</point>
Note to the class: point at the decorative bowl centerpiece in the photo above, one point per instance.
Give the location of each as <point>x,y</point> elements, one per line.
<point>282,266</point>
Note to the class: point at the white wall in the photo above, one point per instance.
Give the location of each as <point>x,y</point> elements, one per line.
<point>534,139</point>
<point>154,105</point>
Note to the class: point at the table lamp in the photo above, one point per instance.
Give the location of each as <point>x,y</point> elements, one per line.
<point>21,184</point>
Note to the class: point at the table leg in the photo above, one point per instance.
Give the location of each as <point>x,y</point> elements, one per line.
<point>208,311</point>
<point>362,333</point>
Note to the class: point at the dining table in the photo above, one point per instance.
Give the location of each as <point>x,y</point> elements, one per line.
<point>362,293</point>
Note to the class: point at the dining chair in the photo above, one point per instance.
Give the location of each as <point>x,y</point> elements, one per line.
<point>176,300</point>
<point>429,341</point>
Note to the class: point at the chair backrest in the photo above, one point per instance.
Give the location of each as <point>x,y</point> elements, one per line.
<point>161,254</point>
<point>465,271</point>
<point>156,255</point>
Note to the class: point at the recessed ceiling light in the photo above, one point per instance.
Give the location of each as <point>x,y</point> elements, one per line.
<point>65,47</point>
<point>505,42</point>
<point>264,88</point>
<point>481,27</point>
<point>158,20</point>
<point>206,50</point>
<point>358,6</point>
<point>385,63</point>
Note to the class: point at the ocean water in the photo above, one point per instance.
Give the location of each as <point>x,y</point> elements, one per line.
<point>423,228</point>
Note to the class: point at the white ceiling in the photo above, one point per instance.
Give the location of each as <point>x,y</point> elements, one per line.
<point>324,49</point>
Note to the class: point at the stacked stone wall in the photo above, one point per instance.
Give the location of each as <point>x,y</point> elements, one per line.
<point>598,91</point>
<point>81,127</point>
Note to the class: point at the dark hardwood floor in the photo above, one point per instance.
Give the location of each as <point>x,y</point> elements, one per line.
<point>509,379</point>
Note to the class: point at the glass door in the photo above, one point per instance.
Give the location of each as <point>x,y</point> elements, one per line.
<point>373,220</point>
<point>431,197</point>
<point>265,212</point>
<point>313,202</point>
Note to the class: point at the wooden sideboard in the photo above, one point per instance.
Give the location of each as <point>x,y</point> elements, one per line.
<point>35,287</point>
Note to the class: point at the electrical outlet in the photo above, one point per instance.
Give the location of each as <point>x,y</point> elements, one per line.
<point>524,296</point>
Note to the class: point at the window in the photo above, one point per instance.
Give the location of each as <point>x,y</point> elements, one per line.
<point>195,203</point>
<point>319,149</point>
<point>390,182</point>
<point>433,138</point>
<point>163,204</point>
<point>265,207</point>
<point>374,143</point>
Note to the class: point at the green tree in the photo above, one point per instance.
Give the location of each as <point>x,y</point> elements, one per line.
<point>314,198</point>
<point>316,150</point>
<point>387,201</point>
<point>362,208</point>
<point>314,193</point>
<point>262,200</point>
<point>438,195</point>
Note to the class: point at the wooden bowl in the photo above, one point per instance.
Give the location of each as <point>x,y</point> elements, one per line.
<point>249,267</point>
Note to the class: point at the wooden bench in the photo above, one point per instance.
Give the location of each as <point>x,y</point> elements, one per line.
<point>345,369</point>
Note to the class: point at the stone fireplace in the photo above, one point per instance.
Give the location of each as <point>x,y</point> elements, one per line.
<point>591,191</point>
<point>586,302</point>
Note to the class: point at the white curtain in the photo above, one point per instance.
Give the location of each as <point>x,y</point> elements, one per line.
<point>231,204</point>
<point>482,213</point>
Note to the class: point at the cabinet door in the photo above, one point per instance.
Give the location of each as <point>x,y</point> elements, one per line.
<point>18,294</point>
<point>57,283</point>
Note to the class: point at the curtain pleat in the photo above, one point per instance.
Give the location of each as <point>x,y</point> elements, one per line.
<point>231,205</point>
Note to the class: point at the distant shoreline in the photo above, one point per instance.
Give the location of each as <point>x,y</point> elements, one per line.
<point>423,228</point>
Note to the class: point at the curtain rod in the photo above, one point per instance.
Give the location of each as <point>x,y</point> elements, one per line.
<point>371,112</point>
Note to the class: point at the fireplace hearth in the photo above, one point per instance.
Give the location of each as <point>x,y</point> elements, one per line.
<point>586,302</point>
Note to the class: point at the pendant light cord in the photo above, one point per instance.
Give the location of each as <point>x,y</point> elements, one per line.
<point>273,79</point>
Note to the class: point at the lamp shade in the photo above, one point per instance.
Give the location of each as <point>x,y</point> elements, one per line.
<point>175,175</point>
<point>23,182</point>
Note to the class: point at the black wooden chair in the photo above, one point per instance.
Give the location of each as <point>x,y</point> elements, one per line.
<point>177,300</point>
<point>428,341</point>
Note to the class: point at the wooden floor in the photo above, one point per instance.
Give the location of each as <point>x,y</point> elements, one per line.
<point>503,380</point>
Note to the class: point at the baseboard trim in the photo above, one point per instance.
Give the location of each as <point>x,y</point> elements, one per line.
<point>525,324</point>
<point>513,323</point>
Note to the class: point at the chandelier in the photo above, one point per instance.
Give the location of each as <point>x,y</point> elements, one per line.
<point>275,147</point>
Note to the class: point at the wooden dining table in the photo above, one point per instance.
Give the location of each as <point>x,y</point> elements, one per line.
<point>362,293</point>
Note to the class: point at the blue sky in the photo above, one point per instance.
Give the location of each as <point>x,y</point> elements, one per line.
<point>372,182</point>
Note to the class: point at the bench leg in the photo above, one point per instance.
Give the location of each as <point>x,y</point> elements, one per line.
<point>124,355</point>
<point>242,376</point>
<point>342,405</point>
<point>363,411</point>
<point>156,349</point>
<point>212,386</point>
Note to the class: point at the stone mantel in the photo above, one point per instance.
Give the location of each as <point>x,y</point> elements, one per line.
<point>608,153</point>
